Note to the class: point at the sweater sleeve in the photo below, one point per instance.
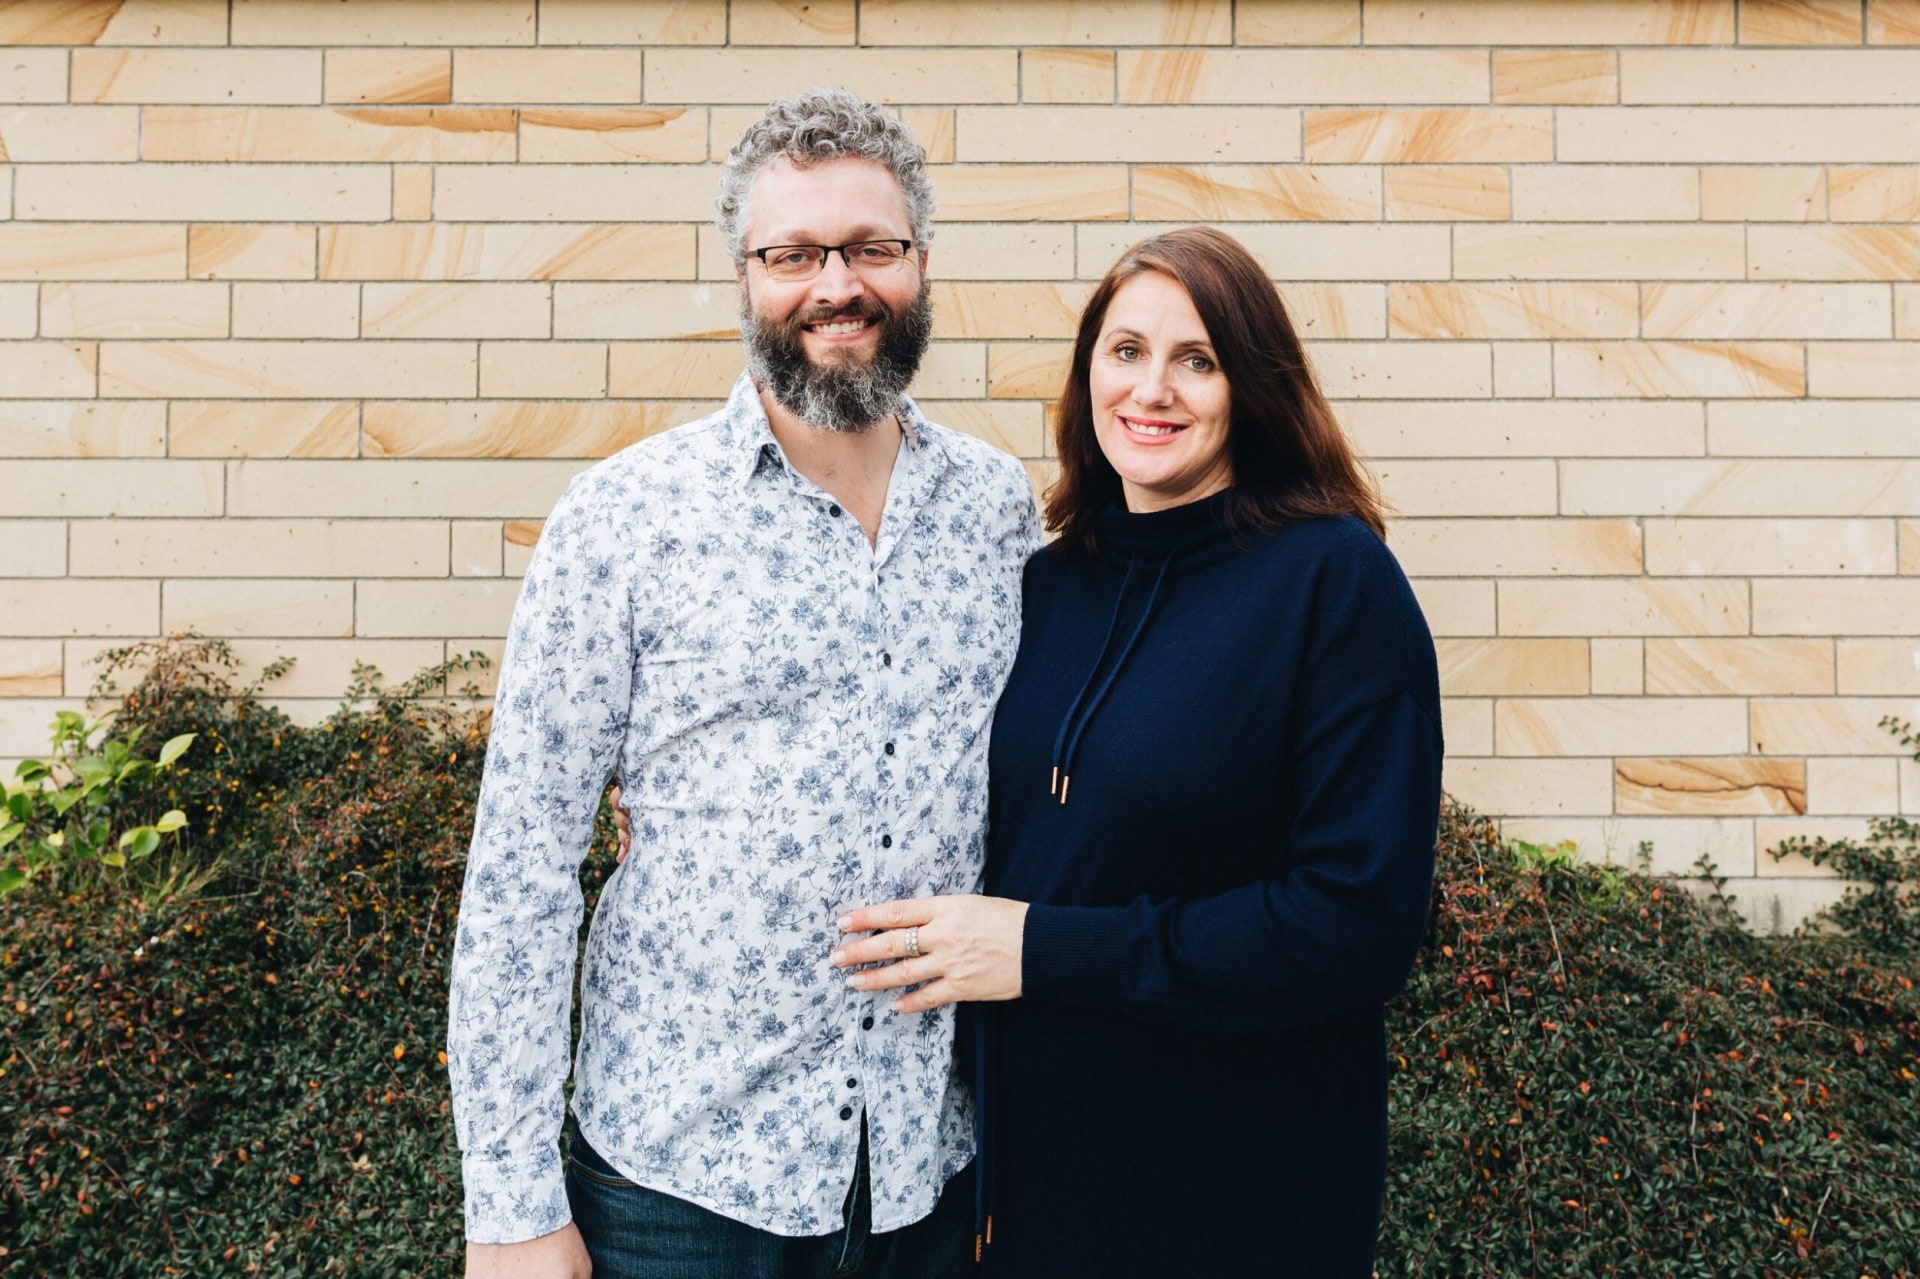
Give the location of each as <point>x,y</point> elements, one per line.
<point>1337,931</point>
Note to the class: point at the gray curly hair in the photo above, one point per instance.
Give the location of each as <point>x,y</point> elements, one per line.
<point>821,124</point>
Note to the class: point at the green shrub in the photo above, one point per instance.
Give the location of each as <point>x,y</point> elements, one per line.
<point>1597,1073</point>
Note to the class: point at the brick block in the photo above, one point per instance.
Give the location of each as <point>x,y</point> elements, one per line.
<point>188,192</point>
<point>277,310</point>
<point>1512,548</point>
<point>1330,251</point>
<point>61,135</point>
<point>258,548</point>
<point>1763,193</point>
<point>774,22</point>
<point>250,252</point>
<point>1824,606</point>
<point>1800,22</point>
<point>1681,369</point>
<point>1497,310</point>
<point>1893,22</point>
<point>1735,787</point>
<point>611,193</point>
<point>98,252</point>
<point>1906,311</point>
<point>1142,135</point>
<point>136,22</point>
<point>543,370</point>
<point>1910,547</point>
<point>446,251</point>
<point>45,608</point>
<point>32,548</point>
<point>1613,193</point>
<point>256,607</point>
<point>1457,607</point>
<point>1833,253</point>
<point>1757,77</point>
<point>295,22</point>
<point>1008,310</point>
<point>673,370</point>
<point>48,369</point>
<point>1689,667</point>
<point>1327,310</point>
<point>1015,428</point>
<point>1813,428</point>
<point>476,548</point>
<point>1448,193</point>
<point>1771,833</point>
<point>1674,843</point>
<point>389,75</point>
<point>1853,787</point>
<point>133,310</point>
<point>1828,725</point>
<point>1532,787</point>
<point>1598,252</point>
<point>954,370</point>
<point>612,136</point>
<point>1296,22</point>
<point>633,22</point>
<point>1524,22</point>
<point>29,668</point>
<point>1757,487</point>
<point>1512,667</point>
<point>471,606</point>
<point>1732,311</point>
<point>288,77</point>
<point>307,134</point>
<point>1239,193</point>
<point>321,668</point>
<point>1556,77</point>
<point>1019,193</point>
<point>1910,787</point>
<point>262,428</point>
<point>1742,548</point>
<point>33,75</point>
<point>592,77</point>
<point>1622,607</point>
<point>1876,667</point>
<point>287,370</point>
<point>377,487</point>
<point>755,76</point>
<point>1289,77</point>
<point>1735,135</point>
<point>1585,726</point>
<point>1067,75</point>
<point>1522,370</point>
<point>698,311</point>
<point>456,310</point>
<point>1619,666</point>
<point>1485,135</point>
<point>412,193</point>
<point>1491,428</point>
<point>113,488</point>
<point>41,428</point>
<point>1404,370</point>
<point>1456,487</point>
<point>515,428</point>
<point>1070,22</point>
<point>1869,370</point>
<point>19,309</point>
<point>1029,370</point>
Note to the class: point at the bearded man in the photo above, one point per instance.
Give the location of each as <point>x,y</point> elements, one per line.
<point>783,629</point>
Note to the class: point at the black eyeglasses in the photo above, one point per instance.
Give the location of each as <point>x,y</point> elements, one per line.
<point>804,261</point>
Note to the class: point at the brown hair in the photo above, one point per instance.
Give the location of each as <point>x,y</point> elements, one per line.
<point>1291,460</point>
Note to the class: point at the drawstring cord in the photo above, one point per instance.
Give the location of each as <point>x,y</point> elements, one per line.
<point>1063,769</point>
<point>1060,739</point>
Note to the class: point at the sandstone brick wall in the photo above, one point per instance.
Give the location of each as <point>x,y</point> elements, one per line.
<point>308,310</point>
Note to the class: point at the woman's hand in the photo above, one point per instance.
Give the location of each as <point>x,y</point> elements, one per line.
<point>623,824</point>
<point>969,949</point>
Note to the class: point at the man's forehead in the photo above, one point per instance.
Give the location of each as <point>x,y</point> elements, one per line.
<point>846,190</point>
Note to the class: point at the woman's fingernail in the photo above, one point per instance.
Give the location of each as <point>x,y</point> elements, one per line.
<point>857,981</point>
<point>843,921</point>
<point>839,958</point>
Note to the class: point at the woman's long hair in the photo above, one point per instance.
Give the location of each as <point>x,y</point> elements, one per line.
<point>1291,460</point>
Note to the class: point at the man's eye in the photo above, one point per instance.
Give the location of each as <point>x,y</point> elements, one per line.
<point>875,252</point>
<point>791,257</point>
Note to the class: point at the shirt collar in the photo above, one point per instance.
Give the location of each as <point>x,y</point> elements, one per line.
<point>754,447</point>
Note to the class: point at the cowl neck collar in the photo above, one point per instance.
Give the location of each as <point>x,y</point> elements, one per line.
<point>1175,531</point>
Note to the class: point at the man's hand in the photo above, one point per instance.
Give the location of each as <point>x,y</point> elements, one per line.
<point>963,947</point>
<point>625,825</point>
<point>560,1255</point>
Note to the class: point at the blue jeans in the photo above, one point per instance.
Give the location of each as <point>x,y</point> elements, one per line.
<point>632,1232</point>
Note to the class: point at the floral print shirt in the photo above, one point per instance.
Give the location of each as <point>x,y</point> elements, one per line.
<point>799,722</point>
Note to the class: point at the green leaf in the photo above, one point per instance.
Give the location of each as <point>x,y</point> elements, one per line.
<point>132,833</point>
<point>175,748</point>
<point>143,840</point>
<point>61,800</point>
<point>10,832</point>
<point>10,880</point>
<point>114,859</point>
<point>93,769</point>
<point>31,770</point>
<point>171,820</point>
<point>19,805</point>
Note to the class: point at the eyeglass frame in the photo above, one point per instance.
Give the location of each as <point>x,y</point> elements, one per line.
<point>828,250</point>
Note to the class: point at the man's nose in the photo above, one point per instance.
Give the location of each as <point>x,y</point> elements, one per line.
<point>837,282</point>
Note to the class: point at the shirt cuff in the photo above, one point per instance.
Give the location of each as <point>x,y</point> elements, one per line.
<point>512,1200</point>
<point>1076,954</point>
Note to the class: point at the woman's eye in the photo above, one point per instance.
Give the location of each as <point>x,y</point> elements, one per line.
<point>1200,363</point>
<point>1127,351</point>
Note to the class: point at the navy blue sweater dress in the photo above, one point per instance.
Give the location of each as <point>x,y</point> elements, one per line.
<point>1247,735</point>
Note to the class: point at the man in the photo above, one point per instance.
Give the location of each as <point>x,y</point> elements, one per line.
<point>784,627</point>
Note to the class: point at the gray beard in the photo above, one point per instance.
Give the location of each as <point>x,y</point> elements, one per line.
<point>843,393</point>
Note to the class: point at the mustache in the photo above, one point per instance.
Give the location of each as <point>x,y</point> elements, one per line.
<point>861,308</point>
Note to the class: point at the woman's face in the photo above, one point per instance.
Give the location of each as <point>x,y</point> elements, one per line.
<point>1160,401</point>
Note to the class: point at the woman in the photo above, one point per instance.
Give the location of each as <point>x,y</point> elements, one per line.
<point>1215,780</point>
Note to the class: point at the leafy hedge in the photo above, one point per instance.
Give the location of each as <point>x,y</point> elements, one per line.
<point>1598,1073</point>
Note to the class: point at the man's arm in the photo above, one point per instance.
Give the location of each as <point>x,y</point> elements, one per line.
<point>560,715</point>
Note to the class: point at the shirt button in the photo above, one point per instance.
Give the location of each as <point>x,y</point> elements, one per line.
<point>889,748</point>
<point>886,659</point>
<point>886,841</point>
<point>853,1083</point>
<point>846,1112</point>
<point>833,510</point>
<point>866,1023</point>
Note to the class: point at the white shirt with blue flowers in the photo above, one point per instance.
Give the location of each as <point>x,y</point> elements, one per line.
<point>799,722</point>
